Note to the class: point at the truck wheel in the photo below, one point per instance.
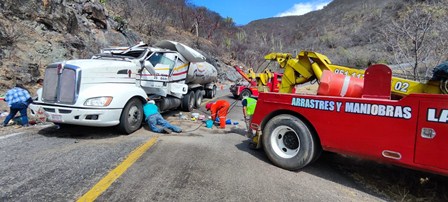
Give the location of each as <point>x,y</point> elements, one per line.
<point>288,142</point>
<point>198,99</point>
<point>207,93</point>
<point>188,101</point>
<point>245,93</point>
<point>213,92</point>
<point>210,93</point>
<point>131,117</point>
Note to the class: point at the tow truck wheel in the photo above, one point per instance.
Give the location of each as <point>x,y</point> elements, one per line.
<point>131,117</point>
<point>245,93</point>
<point>188,101</point>
<point>288,142</point>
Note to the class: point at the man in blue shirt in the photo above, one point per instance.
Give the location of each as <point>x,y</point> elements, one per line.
<point>18,99</point>
<point>154,118</point>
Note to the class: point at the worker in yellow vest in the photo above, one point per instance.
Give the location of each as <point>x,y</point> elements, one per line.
<point>249,105</point>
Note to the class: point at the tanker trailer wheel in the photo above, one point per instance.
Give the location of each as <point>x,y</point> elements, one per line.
<point>288,142</point>
<point>245,93</point>
<point>198,99</point>
<point>213,92</point>
<point>210,93</point>
<point>188,101</point>
<point>131,117</point>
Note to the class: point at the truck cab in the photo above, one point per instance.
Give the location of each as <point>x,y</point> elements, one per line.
<point>110,88</point>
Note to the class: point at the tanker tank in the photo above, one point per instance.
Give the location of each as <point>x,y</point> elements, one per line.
<point>201,73</point>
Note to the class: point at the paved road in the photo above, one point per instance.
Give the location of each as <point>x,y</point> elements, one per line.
<point>44,163</point>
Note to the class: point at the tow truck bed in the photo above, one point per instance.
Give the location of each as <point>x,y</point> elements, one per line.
<point>411,132</point>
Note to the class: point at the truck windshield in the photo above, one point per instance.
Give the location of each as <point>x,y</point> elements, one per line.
<point>159,58</point>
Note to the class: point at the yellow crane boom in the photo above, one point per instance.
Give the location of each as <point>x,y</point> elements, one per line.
<point>308,65</point>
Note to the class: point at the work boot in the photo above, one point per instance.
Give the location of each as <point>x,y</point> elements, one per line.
<point>166,131</point>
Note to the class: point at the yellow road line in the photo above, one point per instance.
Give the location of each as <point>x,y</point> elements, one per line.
<point>113,175</point>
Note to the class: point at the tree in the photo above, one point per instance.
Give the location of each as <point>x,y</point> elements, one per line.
<point>416,37</point>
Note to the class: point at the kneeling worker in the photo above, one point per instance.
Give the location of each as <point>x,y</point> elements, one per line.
<point>218,109</point>
<point>154,118</point>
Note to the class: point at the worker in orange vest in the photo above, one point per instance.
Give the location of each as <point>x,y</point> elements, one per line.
<point>218,109</point>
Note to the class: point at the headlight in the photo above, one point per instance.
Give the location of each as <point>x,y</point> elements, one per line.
<point>98,101</point>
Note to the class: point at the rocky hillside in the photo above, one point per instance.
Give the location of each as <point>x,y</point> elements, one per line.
<point>36,33</point>
<point>358,33</point>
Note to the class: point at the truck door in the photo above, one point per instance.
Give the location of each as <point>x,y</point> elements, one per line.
<point>432,135</point>
<point>179,71</point>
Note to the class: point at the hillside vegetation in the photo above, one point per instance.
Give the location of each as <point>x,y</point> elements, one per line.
<point>354,33</point>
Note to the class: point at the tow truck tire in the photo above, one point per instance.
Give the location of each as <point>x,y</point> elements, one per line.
<point>131,117</point>
<point>188,101</point>
<point>288,142</point>
<point>245,93</point>
<point>198,99</point>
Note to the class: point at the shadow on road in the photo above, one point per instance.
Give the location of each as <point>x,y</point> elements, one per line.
<point>325,168</point>
<point>231,97</point>
<point>258,153</point>
<point>328,166</point>
<point>79,132</point>
<point>380,180</point>
<point>239,131</point>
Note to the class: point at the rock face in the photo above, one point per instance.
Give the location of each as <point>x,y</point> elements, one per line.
<point>36,33</point>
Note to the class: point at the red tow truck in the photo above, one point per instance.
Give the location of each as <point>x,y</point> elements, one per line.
<point>261,82</point>
<point>411,131</point>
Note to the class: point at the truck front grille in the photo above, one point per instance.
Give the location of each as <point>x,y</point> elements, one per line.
<point>61,84</point>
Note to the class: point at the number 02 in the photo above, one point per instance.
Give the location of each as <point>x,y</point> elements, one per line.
<point>400,86</point>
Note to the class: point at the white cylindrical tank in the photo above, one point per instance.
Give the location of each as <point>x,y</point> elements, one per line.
<point>201,73</point>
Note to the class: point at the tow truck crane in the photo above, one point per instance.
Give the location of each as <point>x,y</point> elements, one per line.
<point>409,130</point>
<point>258,82</point>
<point>307,66</point>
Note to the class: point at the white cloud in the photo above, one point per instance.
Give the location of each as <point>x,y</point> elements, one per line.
<point>303,8</point>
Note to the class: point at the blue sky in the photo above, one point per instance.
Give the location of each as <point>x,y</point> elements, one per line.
<point>244,11</point>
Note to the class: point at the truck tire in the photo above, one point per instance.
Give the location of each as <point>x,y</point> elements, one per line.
<point>131,117</point>
<point>245,93</point>
<point>198,99</point>
<point>188,102</point>
<point>288,142</point>
<point>210,93</point>
<point>213,92</point>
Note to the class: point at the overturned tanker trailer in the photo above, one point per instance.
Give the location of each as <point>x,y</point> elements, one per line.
<point>110,88</point>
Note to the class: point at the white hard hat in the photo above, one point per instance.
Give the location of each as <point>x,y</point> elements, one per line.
<point>151,102</point>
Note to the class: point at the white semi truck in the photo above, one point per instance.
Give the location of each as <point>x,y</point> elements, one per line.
<point>110,88</point>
